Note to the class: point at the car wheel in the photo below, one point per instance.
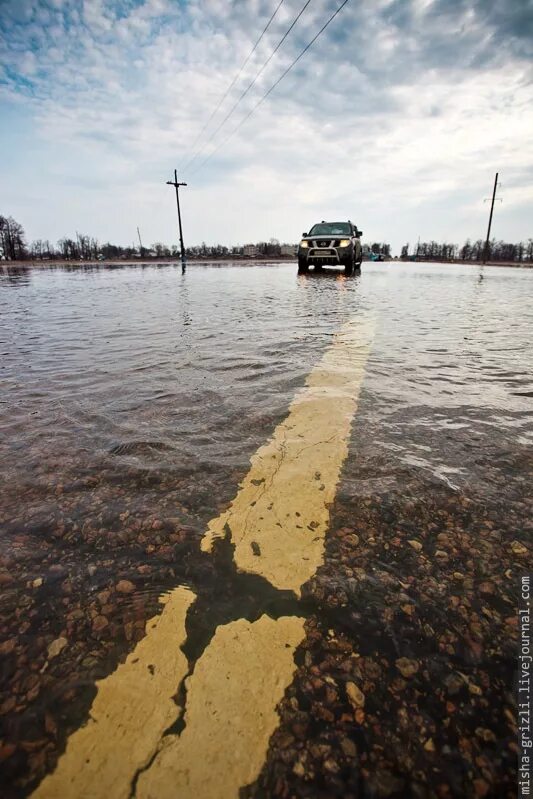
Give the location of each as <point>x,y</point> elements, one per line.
<point>348,267</point>
<point>303,266</point>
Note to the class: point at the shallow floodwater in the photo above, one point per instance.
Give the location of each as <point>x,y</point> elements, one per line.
<point>132,400</point>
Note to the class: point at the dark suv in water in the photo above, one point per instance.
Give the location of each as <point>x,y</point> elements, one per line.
<point>333,243</point>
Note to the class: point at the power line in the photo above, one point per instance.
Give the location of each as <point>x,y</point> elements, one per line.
<point>264,97</point>
<point>233,82</point>
<point>250,85</point>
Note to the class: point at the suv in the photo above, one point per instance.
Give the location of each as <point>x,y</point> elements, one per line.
<point>334,243</point>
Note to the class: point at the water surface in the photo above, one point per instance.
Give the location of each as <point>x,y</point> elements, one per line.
<point>132,400</point>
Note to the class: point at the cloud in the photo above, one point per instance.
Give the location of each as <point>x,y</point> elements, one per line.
<point>400,113</point>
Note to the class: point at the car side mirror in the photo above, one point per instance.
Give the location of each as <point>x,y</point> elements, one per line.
<point>304,234</point>
<point>359,234</point>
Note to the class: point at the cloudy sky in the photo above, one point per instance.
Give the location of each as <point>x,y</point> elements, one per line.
<point>397,118</point>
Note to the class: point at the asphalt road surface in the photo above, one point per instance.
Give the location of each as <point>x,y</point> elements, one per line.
<point>262,534</point>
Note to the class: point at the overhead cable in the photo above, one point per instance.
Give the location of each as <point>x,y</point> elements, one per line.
<point>232,84</point>
<point>264,97</point>
<point>250,85</point>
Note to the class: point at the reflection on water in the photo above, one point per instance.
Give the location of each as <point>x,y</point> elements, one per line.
<point>132,400</point>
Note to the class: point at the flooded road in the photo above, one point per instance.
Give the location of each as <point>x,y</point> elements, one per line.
<point>316,492</point>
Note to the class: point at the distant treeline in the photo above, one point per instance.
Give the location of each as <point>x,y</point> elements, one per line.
<point>471,251</point>
<point>13,247</point>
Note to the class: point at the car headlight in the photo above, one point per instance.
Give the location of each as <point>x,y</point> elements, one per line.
<point>344,242</point>
<point>304,244</point>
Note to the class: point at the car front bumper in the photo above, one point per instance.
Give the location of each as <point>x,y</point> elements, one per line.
<point>326,255</point>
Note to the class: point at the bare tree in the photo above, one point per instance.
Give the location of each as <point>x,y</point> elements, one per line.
<point>36,249</point>
<point>69,249</point>
<point>12,239</point>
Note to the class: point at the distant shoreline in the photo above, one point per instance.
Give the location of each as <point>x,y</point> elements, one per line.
<point>152,261</point>
<point>263,260</point>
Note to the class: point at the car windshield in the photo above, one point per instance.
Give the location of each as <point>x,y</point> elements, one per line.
<point>331,228</point>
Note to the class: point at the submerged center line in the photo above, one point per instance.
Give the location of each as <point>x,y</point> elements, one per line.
<point>277,525</point>
<point>279,518</point>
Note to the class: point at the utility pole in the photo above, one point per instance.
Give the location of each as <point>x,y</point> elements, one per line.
<point>176,186</point>
<point>486,247</point>
<point>140,242</point>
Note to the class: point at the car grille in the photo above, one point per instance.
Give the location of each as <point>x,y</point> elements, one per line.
<point>323,243</point>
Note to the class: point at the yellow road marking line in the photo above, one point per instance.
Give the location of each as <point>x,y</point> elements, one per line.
<point>231,712</point>
<point>132,709</point>
<point>277,523</point>
<point>279,518</point>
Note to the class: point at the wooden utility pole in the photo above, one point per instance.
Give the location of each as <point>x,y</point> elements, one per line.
<point>176,186</point>
<point>486,248</point>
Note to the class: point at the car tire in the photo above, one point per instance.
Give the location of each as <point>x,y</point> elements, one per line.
<point>303,266</point>
<point>348,268</point>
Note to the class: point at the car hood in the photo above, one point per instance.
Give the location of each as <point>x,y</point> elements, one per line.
<point>327,237</point>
